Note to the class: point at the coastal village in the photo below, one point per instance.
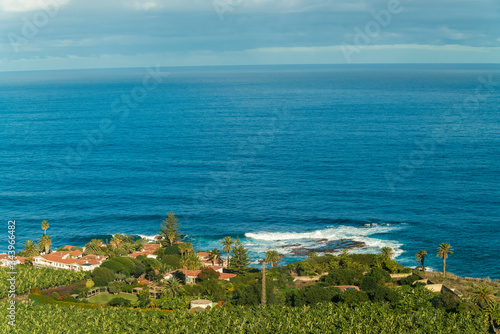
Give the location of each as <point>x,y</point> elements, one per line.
<point>166,273</point>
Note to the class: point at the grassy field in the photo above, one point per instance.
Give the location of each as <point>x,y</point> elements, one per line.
<point>106,297</point>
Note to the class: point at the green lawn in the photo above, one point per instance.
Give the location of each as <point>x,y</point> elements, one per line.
<point>106,297</point>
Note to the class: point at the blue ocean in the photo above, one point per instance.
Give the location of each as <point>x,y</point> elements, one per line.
<point>405,156</point>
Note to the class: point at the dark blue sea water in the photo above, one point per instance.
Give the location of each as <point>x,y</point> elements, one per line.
<point>405,156</point>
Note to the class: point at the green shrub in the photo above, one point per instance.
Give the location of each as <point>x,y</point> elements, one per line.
<point>312,295</point>
<point>380,275</point>
<point>123,265</point>
<point>55,295</point>
<point>172,260</point>
<point>408,280</point>
<point>171,250</point>
<point>352,297</point>
<point>343,277</point>
<point>102,276</point>
<point>128,288</point>
<point>193,290</point>
<point>368,283</point>
<point>208,273</point>
<point>118,301</point>
<point>383,293</point>
<point>115,287</point>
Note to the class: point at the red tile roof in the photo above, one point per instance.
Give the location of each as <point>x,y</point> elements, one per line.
<point>18,258</point>
<point>190,273</point>
<point>134,255</point>
<point>226,276</point>
<point>59,259</point>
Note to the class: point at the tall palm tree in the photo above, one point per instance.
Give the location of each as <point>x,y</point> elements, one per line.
<point>387,252</point>
<point>420,257</point>
<point>263,299</point>
<point>45,226</point>
<point>227,246</point>
<point>443,250</point>
<point>272,257</point>
<point>30,248</point>
<point>214,256</point>
<point>44,244</point>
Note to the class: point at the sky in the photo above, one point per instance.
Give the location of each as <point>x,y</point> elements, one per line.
<point>79,34</point>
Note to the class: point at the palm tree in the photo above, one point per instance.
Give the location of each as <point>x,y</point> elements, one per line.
<point>190,247</point>
<point>93,247</point>
<point>482,295</point>
<point>227,246</point>
<point>387,252</point>
<point>116,241</point>
<point>171,288</point>
<point>272,257</point>
<point>263,299</point>
<point>45,226</point>
<point>420,257</point>
<point>443,250</point>
<point>184,263</point>
<point>214,256</point>
<point>44,244</point>
<point>29,248</point>
<point>183,248</point>
<point>193,261</point>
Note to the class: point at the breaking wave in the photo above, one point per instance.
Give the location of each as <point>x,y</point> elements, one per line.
<point>314,238</point>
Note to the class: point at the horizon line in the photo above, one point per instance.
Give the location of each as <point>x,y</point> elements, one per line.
<point>247,65</point>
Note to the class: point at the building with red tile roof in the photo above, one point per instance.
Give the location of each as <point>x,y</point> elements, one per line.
<point>191,276</point>
<point>147,250</point>
<point>6,260</point>
<point>71,260</point>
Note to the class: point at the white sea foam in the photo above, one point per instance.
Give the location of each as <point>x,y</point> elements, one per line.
<point>149,238</point>
<point>309,239</point>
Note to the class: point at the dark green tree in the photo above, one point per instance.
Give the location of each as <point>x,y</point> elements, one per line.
<point>170,229</point>
<point>239,259</point>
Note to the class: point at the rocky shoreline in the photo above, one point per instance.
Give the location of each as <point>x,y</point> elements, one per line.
<point>328,246</point>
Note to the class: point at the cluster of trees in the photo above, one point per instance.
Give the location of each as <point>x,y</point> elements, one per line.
<point>119,245</point>
<point>443,251</point>
<point>32,249</point>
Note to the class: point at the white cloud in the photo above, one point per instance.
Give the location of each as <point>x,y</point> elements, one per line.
<point>30,5</point>
<point>144,5</point>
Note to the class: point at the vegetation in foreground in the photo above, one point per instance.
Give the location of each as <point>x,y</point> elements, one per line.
<point>319,318</point>
<point>301,297</point>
